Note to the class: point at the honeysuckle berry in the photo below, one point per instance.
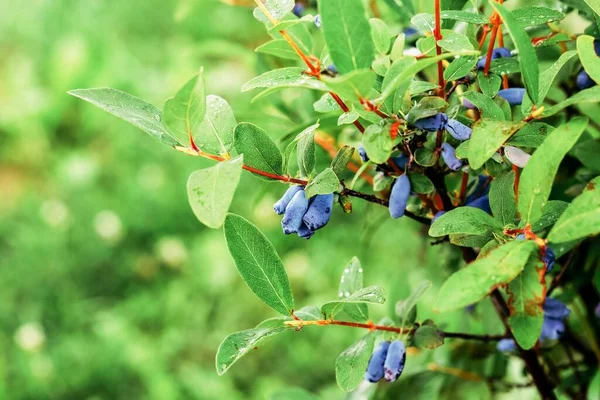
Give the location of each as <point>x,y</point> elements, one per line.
<point>375,371</point>
<point>449,157</point>
<point>317,21</point>
<point>498,52</point>
<point>305,232</point>
<point>294,212</point>
<point>483,203</point>
<point>552,329</point>
<point>401,161</point>
<point>363,154</point>
<point>333,69</point>
<point>434,123</point>
<point>516,156</point>
<point>298,10</point>
<point>319,212</point>
<point>549,259</point>
<point>283,202</point>
<point>399,196</point>
<point>458,130</point>
<point>584,81</point>
<point>555,309</point>
<point>394,361</point>
<point>506,345</point>
<point>514,96</point>
<point>410,33</point>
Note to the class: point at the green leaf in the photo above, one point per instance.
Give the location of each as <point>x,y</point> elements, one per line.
<point>425,157</point>
<point>591,95</point>
<point>341,159</point>
<point>526,300</point>
<point>377,143</point>
<point>537,15</point>
<point>465,16</point>
<point>259,150</point>
<point>428,337</point>
<point>594,5</point>
<point>580,219</point>
<point>489,109</point>
<point>238,344</point>
<point>306,150</point>
<point>419,183</point>
<point>550,214</point>
<point>588,57</point>
<point>381,35</point>
<point>348,118</point>
<point>351,364</point>
<point>426,107</point>
<point>460,67</point>
<point>279,48</point>
<point>487,137</point>
<point>351,282</point>
<point>326,104</point>
<point>287,23</point>
<point>587,152</point>
<point>352,85</point>
<point>531,135</point>
<point>538,175</point>
<point>324,183</point>
<point>258,264</point>
<point>405,308</point>
<point>527,57</point>
<point>502,198</point>
<point>505,66</point>
<point>185,111</point>
<point>594,388</point>
<point>464,220</point>
<point>454,42</point>
<point>131,109</point>
<point>398,47</point>
<point>282,78</point>
<point>472,283</point>
<point>424,22</point>
<point>370,294</point>
<point>210,191</point>
<point>466,240</point>
<point>215,134</point>
<point>490,84</point>
<point>276,8</point>
<point>347,34</point>
<point>549,74</point>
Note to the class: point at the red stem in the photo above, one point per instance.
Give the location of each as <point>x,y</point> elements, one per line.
<point>488,60</point>
<point>438,36</point>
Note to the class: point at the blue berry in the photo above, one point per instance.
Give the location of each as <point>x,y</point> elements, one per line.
<point>292,219</point>
<point>449,156</point>
<point>399,196</point>
<point>394,362</point>
<point>319,212</point>
<point>363,154</point>
<point>506,345</point>
<point>549,259</point>
<point>298,10</point>
<point>552,329</point>
<point>435,123</point>
<point>317,21</point>
<point>374,371</point>
<point>333,69</point>
<point>458,130</point>
<point>305,232</point>
<point>555,309</point>
<point>500,52</point>
<point>584,81</point>
<point>483,203</point>
<point>514,96</point>
<point>401,161</point>
<point>520,236</point>
<point>282,204</point>
<point>410,33</point>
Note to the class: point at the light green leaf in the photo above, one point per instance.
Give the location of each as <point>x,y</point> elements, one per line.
<point>351,86</point>
<point>258,264</point>
<point>424,22</point>
<point>538,175</point>
<point>472,283</point>
<point>526,300</point>
<point>287,23</point>
<point>428,337</point>
<point>131,109</point>
<point>377,143</point>
<point>305,154</point>
<point>347,34</point>
<point>210,191</point>
<point>370,294</point>
<point>460,67</point>
<point>185,112</point>
<point>502,198</point>
<point>537,15</point>
<point>549,74</point>
<point>591,95</point>
<point>580,219</point>
<point>324,183</point>
<point>238,344</point>
<point>487,137</point>
<point>259,150</point>
<point>279,48</point>
<point>489,109</point>
<point>455,42</point>
<point>466,16</point>
<point>531,135</point>
<point>490,84</point>
<point>276,8</point>
<point>381,35</point>
<point>351,364</point>
<point>464,220</point>
<point>215,133</point>
<point>594,5</point>
<point>348,118</point>
<point>398,47</point>
<point>282,78</point>
<point>527,57</point>
<point>351,282</point>
<point>341,159</point>
<point>405,308</point>
<point>588,57</point>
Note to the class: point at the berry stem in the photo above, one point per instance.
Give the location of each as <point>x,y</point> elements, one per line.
<point>490,49</point>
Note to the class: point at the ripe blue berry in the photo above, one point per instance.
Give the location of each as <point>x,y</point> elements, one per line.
<point>514,96</point>
<point>298,10</point>
<point>584,81</point>
<point>458,130</point>
<point>394,362</point>
<point>305,232</point>
<point>555,309</point>
<point>552,329</point>
<point>374,371</point>
<point>435,123</point>
<point>283,202</point>
<point>483,203</point>
<point>449,157</point>
<point>549,259</point>
<point>500,52</point>
<point>506,345</point>
<point>401,161</point>
<point>292,219</point>
<point>319,212</point>
<point>363,154</point>
<point>399,196</point>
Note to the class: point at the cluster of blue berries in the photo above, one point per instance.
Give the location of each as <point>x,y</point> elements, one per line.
<point>387,361</point>
<point>301,215</point>
<point>456,129</point>
<point>555,312</point>
<point>583,79</point>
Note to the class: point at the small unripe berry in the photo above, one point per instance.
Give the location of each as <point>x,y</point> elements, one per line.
<point>319,212</point>
<point>394,362</point>
<point>399,196</point>
<point>283,202</point>
<point>449,156</point>
<point>514,96</point>
<point>374,371</point>
<point>292,219</point>
<point>458,130</point>
<point>584,81</point>
<point>506,345</point>
<point>555,309</point>
<point>517,156</point>
<point>435,123</point>
<point>483,203</point>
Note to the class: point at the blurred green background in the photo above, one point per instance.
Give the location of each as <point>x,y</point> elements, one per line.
<point>109,287</point>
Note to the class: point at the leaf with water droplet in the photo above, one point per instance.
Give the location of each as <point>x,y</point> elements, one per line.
<point>371,294</point>
<point>351,364</point>
<point>350,282</point>
<point>185,111</point>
